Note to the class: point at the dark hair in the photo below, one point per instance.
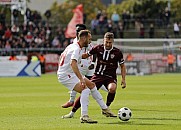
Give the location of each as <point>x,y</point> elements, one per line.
<point>80,27</point>
<point>83,33</point>
<point>109,35</point>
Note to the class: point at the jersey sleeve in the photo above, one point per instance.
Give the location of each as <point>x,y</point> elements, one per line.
<point>76,54</point>
<point>121,59</point>
<point>93,50</point>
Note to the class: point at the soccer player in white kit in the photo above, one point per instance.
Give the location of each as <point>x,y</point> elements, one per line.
<point>83,67</point>
<point>70,76</point>
<point>86,67</point>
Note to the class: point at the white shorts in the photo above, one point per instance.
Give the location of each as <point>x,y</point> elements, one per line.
<point>68,80</point>
<point>90,72</point>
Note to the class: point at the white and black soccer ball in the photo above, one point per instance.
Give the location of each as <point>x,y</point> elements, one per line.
<point>124,114</point>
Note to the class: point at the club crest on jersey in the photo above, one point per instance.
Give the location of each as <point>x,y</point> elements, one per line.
<point>112,56</point>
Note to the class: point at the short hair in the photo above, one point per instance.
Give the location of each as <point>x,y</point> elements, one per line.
<point>109,35</point>
<point>80,27</point>
<point>83,33</point>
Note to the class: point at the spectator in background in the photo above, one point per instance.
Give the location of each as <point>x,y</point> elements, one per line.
<point>8,33</point>
<point>127,20</point>
<point>29,37</point>
<point>142,31</point>
<point>42,63</point>
<point>1,31</point>
<point>124,19</point>
<point>94,24</point>
<point>151,31</point>
<point>3,17</point>
<point>129,57</point>
<point>48,14</point>
<point>167,15</point>
<point>176,29</point>
<point>16,16</point>
<point>170,61</point>
<point>101,24</point>
<point>115,18</point>
<point>13,57</point>
<point>120,30</point>
<point>8,47</point>
<point>28,15</point>
<point>55,43</point>
<point>15,30</point>
<point>109,26</point>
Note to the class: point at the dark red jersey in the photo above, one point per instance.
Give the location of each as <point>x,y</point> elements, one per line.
<point>107,60</point>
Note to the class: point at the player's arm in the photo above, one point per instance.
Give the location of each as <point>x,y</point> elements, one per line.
<point>123,75</point>
<point>77,72</point>
<point>75,68</point>
<point>85,55</point>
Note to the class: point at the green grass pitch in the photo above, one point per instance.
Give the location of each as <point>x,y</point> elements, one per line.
<point>33,103</point>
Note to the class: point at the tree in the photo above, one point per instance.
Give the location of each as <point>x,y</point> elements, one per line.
<point>120,8</point>
<point>63,13</point>
<point>150,8</point>
<point>176,9</point>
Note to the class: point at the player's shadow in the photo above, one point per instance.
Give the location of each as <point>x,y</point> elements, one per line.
<point>133,123</point>
<point>138,123</point>
<point>161,119</point>
<point>153,110</point>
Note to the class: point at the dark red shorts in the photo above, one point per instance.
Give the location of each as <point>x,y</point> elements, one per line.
<point>100,80</point>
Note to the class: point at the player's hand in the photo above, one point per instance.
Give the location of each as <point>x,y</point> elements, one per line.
<point>91,67</point>
<point>123,84</point>
<point>83,84</point>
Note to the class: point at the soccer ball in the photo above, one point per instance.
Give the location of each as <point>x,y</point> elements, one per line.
<point>124,114</point>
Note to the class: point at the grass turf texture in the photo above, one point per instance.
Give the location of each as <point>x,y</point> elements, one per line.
<point>34,103</point>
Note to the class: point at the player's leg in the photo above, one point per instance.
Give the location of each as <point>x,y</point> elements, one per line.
<point>98,97</point>
<point>71,100</point>
<point>72,83</point>
<point>84,101</point>
<point>88,74</point>
<point>111,94</point>
<point>76,106</point>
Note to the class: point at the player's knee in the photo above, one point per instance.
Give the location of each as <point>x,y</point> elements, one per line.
<point>93,84</point>
<point>112,89</point>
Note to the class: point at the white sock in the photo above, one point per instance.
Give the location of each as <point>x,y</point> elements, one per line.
<point>71,113</point>
<point>72,96</point>
<point>84,101</point>
<point>98,97</point>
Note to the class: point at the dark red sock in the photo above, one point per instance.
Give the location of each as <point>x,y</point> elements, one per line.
<point>76,105</point>
<point>110,98</point>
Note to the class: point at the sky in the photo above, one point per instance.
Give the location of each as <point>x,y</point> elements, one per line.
<point>42,5</point>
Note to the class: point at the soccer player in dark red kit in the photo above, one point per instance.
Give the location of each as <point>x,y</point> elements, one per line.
<point>108,58</point>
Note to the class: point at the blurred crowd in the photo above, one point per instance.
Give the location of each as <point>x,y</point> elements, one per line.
<point>39,33</point>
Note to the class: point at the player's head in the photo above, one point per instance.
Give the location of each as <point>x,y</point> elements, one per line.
<point>108,40</point>
<point>80,27</point>
<point>85,37</point>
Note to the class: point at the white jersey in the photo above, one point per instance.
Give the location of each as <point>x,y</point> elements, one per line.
<point>73,51</point>
<point>85,63</point>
